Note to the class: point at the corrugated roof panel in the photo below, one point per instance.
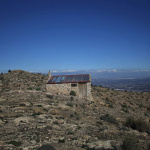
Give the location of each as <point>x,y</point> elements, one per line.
<point>69,79</point>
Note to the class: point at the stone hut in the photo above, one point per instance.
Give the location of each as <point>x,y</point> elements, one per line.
<point>64,84</point>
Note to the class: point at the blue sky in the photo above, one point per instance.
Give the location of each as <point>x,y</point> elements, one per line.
<point>42,35</point>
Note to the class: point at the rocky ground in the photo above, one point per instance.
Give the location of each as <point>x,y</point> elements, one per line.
<point>30,117</point>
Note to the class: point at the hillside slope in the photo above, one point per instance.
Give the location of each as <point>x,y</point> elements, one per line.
<point>30,117</point>
<point>23,80</point>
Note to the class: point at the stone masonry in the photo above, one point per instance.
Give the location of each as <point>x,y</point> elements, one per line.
<point>66,88</point>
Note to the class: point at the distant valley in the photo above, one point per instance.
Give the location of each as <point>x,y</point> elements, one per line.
<point>124,80</point>
<point>124,84</point>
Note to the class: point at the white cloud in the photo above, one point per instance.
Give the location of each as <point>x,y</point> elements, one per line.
<point>112,70</point>
<point>54,71</point>
<point>69,71</point>
<point>59,71</point>
<point>35,71</point>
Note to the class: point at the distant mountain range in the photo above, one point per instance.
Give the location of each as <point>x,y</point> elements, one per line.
<point>127,80</point>
<point>108,73</point>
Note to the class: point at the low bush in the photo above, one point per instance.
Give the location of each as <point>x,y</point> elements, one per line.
<point>22,104</point>
<point>141,125</point>
<point>15,143</point>
<point>137,124</point>
<point>30,88</point>
<point>2,118</point>
<point>39,105</point>
<point>109,119</point>
<point>72,115</point>
<point>37,113</point>
<point>125,110</point>
<point>148,108</point>
<point>49,96</point>
<point>71,98</point>
<point>46,147</point>
<point>82,106</point>
<point>130,143</point>
<point>73,93</point>
<point>1,78</point>
<point>38,89</point>
<point>69,104</point>
<point>130,122</point>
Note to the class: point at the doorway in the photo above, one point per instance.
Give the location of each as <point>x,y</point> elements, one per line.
<point>82,90</point>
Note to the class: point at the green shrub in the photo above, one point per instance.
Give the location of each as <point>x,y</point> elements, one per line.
<point>35,114</point>
<point>146,114</point>
<point>130,143</point>
<point>49,96</point>
<point>73,93</point>
<point>111,105</point>
<point>125,110</point>
<point>38,89</point>
<point>1,77</point>
<point>82,105</point>
<point>46,147</point>
<point>2,118</point>
<point>15,143</point>
<point>107,99</point>
<point>148,108</point>
<point>22,104</point>
<point>39,106</point>
<point>137,124</point>
<point>30,88</point>
<point>130,122</point>
<point>141,125</point>
<point>72,115</point>
<point>71,98</point>
<point>69,104</point>
<point>109,119</point>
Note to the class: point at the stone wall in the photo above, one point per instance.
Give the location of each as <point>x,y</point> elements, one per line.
<point>58,88</point>
<point>65,89</point>
<point>89,93</point>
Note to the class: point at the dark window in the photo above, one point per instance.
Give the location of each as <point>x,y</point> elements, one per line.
<point>53,80</point>
<point>62,79</point>
<point>74,85</point>
<point>58,79</point>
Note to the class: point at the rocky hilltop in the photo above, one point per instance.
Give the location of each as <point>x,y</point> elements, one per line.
<point>32,119</point>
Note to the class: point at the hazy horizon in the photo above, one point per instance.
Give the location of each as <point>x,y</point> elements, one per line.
<point>106,73</point>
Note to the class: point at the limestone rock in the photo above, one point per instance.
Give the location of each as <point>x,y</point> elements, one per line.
<point>23,120</point>
<point>100,144</point>
<point>2,99</point>
<point>1,122</point>
<point>26,103</point>
<point>63,107</point>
